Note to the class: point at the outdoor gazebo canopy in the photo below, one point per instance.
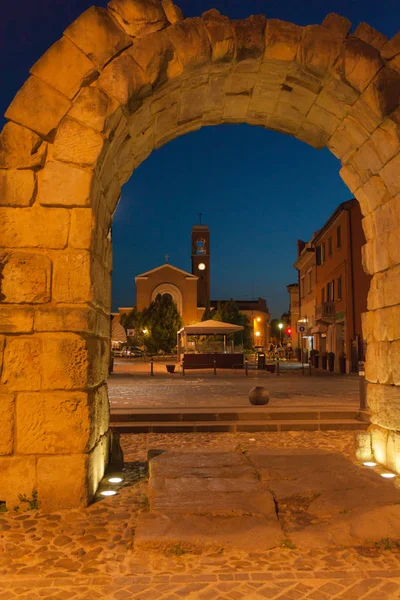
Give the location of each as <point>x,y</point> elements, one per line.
<point>210,327</point>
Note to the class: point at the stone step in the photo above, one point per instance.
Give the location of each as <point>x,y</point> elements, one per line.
<point>237,414</point>
<point>244,426</point>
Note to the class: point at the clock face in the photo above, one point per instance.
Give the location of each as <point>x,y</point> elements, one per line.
<point>200,246</point>
<point>201,267</point>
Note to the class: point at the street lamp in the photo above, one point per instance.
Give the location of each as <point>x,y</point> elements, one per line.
<point>280,332</point>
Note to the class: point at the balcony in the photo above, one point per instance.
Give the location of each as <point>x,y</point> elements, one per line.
<point>325,312</point>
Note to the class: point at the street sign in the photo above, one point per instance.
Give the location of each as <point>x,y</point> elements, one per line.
<point>301,328</point>
<point>130,332</point>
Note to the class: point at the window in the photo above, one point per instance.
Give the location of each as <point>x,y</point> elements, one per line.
<point>309,282</point>
<point>338,237</point>
<point>339,288</point>
<point>330,246</point>
<point>323,295</point>
<point>330,291</point>
<point>302,290</point>
<point>322,253</point>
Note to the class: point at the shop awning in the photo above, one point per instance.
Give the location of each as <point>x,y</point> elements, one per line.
<point>118,333</point>
<point>319,328</point>
<point>210,327</point>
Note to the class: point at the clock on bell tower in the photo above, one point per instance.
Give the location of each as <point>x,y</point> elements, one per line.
<point>201,263</point>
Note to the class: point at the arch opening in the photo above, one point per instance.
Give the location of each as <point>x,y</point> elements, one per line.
<point>95,106</point>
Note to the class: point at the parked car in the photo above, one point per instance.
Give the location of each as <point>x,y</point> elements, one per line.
<point>118,353</point>
<point>134,352</point>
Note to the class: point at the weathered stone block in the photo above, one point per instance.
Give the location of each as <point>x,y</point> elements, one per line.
<point>323,119</point>
<point>64,185</point>
<point>319,49</point>
<point>337,23</point>
<point>281,40</point>
<point>313,135</point>
<point>138,18</point>
<point>65,67</point>
<point>25,278</point>
<point>337,98</point>
<point>386,138</point>
<point>394,246</point>
<point>382,96</point>
<point>156,56</point>
<point>72,277</point>
<point>2,346</point>
<point>75,143</point>
<point>20,147</point>
<point>22,369</point>
<point>16,319</point>
<point>82,228</point>
<point>7,406</point>
<point>375,294</point>
<point>250,37</point>
<point>96,465</point>
<point>92,106</point>
<point>363,446</point>
<point>191,42</point>
<point>348,137</point>
<point>172,11</point>
<point>391,286</point>
<point>395,361</point>
<point>66,361</point>
<point>221,36</point>
<point>359,63</point>
<point>80,319</point>
<point>370,36</point>
<point>16,187</point>
<point>391,175</point>
<point>100,414</point>
<point>373,193</point>
<point>124,80</point>
<point>366,159</point>
<point>17,476</point>
<point>52,422</point>
<point>350,177</point>
<point>97,34</point>
<point>68,491</point>
<point>193,104</point>
<point>392,47</point>
<point>34,227</point>
<point>379,439</point>
<point>38,106</point>
<point>384,403</point>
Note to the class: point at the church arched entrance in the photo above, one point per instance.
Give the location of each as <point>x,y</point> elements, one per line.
<point>119,83</point>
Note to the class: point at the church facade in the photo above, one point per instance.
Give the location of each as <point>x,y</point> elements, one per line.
<point>191,291</point>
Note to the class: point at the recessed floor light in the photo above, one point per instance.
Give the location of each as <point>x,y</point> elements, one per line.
<point>369,464</point>
<point>115,479</point>
<point>388,475</point>
<point>108,493</point>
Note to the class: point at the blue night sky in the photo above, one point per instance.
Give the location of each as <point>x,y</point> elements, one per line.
<point>259,191</point>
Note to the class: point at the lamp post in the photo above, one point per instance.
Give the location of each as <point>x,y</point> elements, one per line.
<point>280,332</point>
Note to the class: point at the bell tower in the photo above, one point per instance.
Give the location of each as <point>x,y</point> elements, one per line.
<point>201,262</point>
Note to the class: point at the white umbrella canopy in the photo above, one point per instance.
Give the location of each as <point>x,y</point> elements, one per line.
<point>118,333</point>
<point>210,327</point>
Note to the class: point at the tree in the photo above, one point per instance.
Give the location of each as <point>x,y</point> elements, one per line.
<point>133,320</point>
<point>208,314</point>
<point>228,312</point>
<point>161,320</point>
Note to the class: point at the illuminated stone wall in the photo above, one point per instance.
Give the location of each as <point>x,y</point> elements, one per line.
<point>119,83</point>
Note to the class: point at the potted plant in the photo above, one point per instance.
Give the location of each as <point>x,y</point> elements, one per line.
<point>171,368</point>
<point>314,357</point>
<point>324,360</point>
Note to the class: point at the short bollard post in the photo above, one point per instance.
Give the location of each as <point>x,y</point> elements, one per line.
<point>246,366</point>
<point>151,366</point>
<point>183,368</point>
<point>362,384</point>
<point>215,367</point>
<point>309,367</point>
<point>277,366</point>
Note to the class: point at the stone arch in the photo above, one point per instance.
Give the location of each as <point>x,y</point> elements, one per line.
<point>172,290</point>
<point>119,83</point>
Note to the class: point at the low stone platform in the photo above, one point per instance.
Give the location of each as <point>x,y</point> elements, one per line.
<point>264,498</point>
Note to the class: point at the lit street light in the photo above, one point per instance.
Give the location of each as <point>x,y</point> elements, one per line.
<point>280,332</point>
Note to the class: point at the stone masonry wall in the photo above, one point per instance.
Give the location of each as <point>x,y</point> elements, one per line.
<point>119,83</point>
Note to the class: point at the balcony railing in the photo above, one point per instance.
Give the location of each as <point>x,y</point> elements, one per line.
<point>325,311</point>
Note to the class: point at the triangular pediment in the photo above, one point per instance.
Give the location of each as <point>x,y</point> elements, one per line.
<point>166,267</point>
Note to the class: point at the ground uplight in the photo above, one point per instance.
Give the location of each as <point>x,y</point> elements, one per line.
<point>108,493</point>
<point>115,479</point>
<point>369,463</point>
<point>388,475</point>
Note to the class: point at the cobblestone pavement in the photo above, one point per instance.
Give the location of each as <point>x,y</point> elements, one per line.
<point>89,553</point>
<point>131,386</point>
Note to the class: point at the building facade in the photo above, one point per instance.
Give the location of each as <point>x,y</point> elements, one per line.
<point>334,288</point>
<point>294,312</point>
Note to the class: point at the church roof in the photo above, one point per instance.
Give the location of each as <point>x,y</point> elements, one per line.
<point>165,266</point>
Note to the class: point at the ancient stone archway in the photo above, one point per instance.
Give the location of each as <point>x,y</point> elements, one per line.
<point>119,83</point>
